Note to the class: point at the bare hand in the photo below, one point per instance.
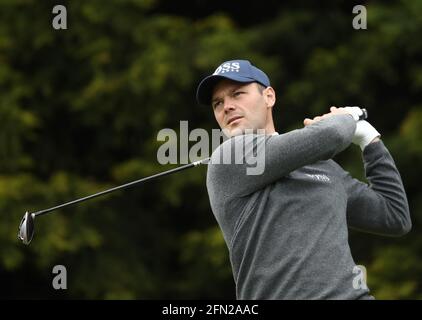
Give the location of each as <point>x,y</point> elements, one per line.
<point>333,111</point>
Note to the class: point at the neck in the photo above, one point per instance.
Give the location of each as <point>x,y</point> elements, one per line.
<point>269,125</point>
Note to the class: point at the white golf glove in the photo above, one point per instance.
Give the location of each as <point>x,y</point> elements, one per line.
<point>364,134</point>
<point>356,112</point>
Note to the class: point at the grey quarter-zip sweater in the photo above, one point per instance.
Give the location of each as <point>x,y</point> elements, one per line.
<point>286,229</point>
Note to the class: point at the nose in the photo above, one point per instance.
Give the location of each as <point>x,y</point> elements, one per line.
<point>228,105</point>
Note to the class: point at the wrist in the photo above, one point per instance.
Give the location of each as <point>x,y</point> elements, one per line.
<point>376,139</point>
<point>365,134</point>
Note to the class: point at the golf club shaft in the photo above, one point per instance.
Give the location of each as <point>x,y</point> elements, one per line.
<point>187,166</point>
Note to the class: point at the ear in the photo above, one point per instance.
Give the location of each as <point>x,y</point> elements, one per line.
<point>269,96</point>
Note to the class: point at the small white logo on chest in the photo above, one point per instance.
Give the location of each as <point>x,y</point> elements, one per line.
<point>319,177</point>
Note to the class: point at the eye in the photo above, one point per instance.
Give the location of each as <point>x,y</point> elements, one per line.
<point>237,93</point>
<point>216,104</point>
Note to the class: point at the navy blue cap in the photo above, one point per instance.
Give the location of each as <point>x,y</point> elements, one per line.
<point>236,70</point>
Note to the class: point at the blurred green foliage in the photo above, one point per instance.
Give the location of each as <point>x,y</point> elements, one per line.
<point>80,110</point>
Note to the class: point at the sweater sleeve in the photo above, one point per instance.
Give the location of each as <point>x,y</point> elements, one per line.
<point>232,171</point>
<point>380,207</point>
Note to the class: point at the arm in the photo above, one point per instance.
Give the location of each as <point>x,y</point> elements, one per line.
<point>380,207</point>
<point>280,154</point>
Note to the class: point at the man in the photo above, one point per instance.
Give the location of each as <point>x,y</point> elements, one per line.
<point>287,229</point>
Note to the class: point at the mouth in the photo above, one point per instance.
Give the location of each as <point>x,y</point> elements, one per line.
<point>234,120</point>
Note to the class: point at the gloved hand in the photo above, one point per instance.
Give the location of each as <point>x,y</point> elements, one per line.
<point>356,112</point>
<point>364,134</point>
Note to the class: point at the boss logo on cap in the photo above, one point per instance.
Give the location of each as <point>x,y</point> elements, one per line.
<point>227,67</point>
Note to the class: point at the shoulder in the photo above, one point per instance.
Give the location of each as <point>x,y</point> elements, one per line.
<point>221,159</point>
<point>231,161</point>
<point>236,149</point>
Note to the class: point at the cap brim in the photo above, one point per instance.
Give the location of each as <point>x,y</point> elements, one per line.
<point>206,87</point>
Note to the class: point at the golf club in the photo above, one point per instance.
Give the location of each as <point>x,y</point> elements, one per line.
<point>27,226</point>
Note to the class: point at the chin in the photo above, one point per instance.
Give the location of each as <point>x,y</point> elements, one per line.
<point>237,131</point>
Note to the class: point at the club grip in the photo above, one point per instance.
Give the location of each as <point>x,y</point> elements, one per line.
<point>364,114</point>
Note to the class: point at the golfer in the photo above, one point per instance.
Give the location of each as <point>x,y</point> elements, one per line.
<point>286,229</point>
